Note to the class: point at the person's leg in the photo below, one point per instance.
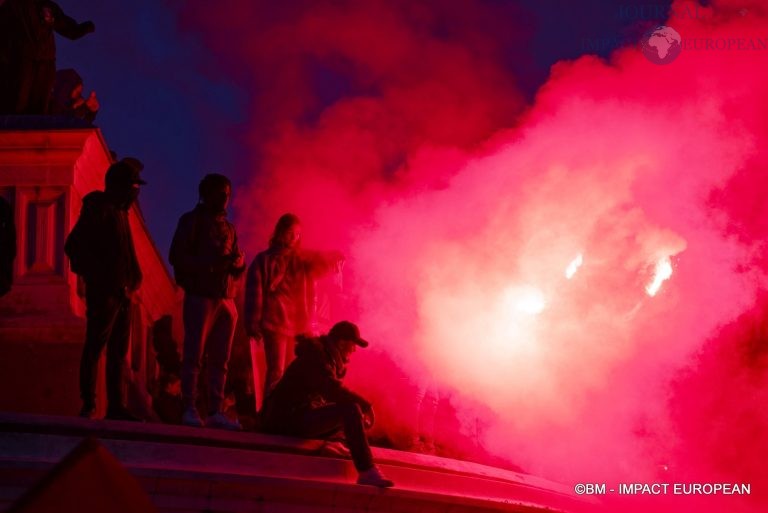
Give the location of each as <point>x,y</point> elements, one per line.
<point>117,349</point>
<point>289,343</point>
<point>100,314</point>
<point>326,420</point>
<point>219,349</point>
<point>274,352</point>
<point>197,319</point>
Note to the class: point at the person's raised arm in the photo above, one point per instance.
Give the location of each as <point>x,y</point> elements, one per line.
<point>67,26</point>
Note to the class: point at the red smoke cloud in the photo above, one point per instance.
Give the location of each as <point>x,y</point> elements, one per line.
<point>508,262</point>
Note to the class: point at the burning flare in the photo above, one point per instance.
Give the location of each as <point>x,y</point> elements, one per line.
<point>661,273</point>
<point>570,271</point>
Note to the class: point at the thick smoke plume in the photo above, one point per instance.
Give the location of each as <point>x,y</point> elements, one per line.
<point>577,286</point>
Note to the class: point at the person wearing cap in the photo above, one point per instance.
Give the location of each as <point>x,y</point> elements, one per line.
<point>311,400</point>
<point>100,249</point>
<point>280,295</point>
<point>208,265</point>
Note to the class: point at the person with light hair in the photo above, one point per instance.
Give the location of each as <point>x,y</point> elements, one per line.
<point>280,294</point>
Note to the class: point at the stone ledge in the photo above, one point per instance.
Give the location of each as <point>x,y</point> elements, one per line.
<point>202,469</point>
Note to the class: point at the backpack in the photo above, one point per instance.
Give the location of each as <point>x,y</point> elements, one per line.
<point>76,250</point>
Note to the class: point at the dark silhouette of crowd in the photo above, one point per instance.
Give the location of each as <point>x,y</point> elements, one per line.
<point>303,387</point>
<point>305,396</point>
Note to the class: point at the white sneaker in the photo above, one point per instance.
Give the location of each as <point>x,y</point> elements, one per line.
<point>374,477</point>
<point>335,448</point>
<point>221,421</point>
<point>191,418</point>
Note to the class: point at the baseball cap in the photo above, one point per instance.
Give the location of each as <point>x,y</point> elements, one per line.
<point>346,330</point>
<point>125,172</point>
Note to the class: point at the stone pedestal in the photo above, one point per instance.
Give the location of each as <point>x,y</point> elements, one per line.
<point>45,172</point>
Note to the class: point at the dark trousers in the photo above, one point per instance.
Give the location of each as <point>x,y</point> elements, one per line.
<point>209,327</point>
<point>108,324</point>
<point>278,351</point>
<point>328,420</point>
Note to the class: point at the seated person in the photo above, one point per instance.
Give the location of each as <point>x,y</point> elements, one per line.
<point>67,99</point>
<point>311,401</point>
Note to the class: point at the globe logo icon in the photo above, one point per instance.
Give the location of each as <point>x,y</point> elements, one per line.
<point>662,45</point>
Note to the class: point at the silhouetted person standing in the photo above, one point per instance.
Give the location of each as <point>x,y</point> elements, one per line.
<point>207,263</point>
<point>28,52</point>
<point>100,248</point>
<point>7,246</point>
<point>311,401</point>
<point>280,294</point>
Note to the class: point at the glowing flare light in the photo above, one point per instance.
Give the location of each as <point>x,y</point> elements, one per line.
<point>662,273</point>
<point>526,300</point>
<point>570,271</point>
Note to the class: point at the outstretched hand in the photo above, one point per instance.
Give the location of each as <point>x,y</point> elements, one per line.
<point>369,418</point>
<point>92,102</point>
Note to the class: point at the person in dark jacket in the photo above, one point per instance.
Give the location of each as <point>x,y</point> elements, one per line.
<point>7,246</point>
<point>311,400</point>
<point>207,263</point>
<point>280,294</point>
<point>100,249</point>
<point>28,63</point>
<point>68,98</point>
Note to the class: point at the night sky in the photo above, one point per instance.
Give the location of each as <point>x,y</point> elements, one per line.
<point>165,100</point>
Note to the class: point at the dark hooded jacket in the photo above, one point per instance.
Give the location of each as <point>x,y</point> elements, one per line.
<point>314,379</point>
<point>201,252</point>
<point>62,103</point>
<point>100,246</point>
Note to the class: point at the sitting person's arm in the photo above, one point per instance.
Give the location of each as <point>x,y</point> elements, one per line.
<point>336,392</point>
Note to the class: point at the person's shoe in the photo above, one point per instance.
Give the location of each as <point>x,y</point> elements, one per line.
<point>221,421</point>
<point>334,448</point>
<point>121,413</point>
<point>374,477</point>
<point>88,412</point>
<point>191,418</point>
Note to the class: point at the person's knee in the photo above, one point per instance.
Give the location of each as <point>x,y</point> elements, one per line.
<point>230,311</point>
